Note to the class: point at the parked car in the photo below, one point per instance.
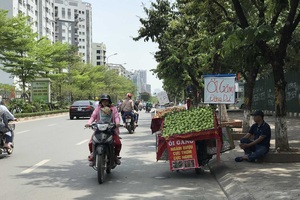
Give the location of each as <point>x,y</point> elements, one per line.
<point>81,108</point>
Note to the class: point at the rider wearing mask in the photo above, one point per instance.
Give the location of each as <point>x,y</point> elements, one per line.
<point>106,112</point>
<point>5,116</point>
<point>127,108</point>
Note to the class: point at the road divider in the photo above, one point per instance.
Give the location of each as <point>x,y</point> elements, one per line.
<point>82,142</point>
<point>35,166</point>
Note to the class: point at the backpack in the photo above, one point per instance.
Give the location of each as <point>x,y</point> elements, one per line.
<point>3,122</point>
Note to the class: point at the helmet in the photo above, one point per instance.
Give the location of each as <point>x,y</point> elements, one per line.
<point>105,97</point>
<point>129,95</point>
<point>96,99</point>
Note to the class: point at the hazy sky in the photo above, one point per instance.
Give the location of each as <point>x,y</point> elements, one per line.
<point>115,22</point>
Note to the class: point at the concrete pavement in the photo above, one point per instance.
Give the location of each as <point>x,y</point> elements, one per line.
<point>259,181</point>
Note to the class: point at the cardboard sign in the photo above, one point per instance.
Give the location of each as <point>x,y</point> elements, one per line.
<point>162,98</point>
<point>219,89</point>
<point>182,154</point>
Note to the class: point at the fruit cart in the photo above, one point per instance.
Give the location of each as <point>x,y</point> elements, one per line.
<point>189,146</point>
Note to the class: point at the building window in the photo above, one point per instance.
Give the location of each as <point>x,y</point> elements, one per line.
<point>98,57</point>
<point>63,12</point>
<point>98,63</point>
<point>83,12</point>
<point>83,61</point>
<point>98,51</point>
<point>69,13</point>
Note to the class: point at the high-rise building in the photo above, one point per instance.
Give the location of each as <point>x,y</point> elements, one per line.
<point>139,78</point>
<point>74,25</point>
<point>119,68</point>
<point>40,13</point>
<point>98,54</point>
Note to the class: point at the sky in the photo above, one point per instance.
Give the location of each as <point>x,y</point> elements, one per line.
<point>115,22</point>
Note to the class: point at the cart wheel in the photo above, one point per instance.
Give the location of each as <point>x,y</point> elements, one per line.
<point>198,171</point>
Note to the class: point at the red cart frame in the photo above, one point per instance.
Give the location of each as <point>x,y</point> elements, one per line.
<point>214,137</point>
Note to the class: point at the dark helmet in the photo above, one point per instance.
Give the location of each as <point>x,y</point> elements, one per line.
<point>105,97</point>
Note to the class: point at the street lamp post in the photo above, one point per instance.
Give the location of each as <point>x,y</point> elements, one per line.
<point>109,57</point>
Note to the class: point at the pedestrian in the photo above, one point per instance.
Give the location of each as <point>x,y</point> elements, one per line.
<point>260,146</point>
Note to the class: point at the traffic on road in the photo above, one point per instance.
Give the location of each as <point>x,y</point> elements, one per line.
<point>50,160</point>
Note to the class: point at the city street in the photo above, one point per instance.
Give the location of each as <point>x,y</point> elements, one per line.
<point>50,162</point>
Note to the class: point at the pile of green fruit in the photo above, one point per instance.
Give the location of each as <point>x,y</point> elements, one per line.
<point>187,121</point>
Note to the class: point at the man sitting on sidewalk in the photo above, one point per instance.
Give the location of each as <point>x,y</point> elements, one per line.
<point>258,147</point>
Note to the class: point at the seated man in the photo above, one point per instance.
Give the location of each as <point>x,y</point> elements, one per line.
<point>258,147</point>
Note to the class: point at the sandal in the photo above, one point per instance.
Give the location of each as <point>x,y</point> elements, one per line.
<point>239,159</point>
<point>8,145</point>
<point>118,161</point>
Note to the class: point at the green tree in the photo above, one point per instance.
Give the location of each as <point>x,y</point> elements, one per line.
<point>278,21</point>
<point>17,58</point>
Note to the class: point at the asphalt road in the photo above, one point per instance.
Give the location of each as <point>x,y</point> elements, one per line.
<point>50,162</point>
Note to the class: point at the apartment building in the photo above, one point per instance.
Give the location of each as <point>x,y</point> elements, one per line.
<point>74,25</point>
<point>41,15</point>
<point>98,54</point>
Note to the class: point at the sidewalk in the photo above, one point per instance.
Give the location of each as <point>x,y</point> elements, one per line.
<point>259,180</point>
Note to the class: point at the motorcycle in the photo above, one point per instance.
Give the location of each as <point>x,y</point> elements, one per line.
<point>148,109</point>
<point>11,128</point>
<point>129,124</point>
<point>103,149</point>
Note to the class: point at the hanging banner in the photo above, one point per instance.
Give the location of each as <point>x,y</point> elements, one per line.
<point>219,89</point>
<point>182,154</point>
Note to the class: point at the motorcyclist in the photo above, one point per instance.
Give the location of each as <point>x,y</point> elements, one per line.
<point>127,108</point>
<point>5,116</point>
<point>148,106</point>
<point>105,111</point>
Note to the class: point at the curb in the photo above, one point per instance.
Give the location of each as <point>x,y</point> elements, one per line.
<point>231,186</point>
<point>41,116</point>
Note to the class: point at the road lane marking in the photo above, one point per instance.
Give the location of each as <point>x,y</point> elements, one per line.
<point>51,124</point>
<point>23,131</point>
<point>82,142</point>
<point>35,166</point>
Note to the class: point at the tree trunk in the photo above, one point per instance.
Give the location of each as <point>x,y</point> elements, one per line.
<point>248,97</point>
<point>281,136</point>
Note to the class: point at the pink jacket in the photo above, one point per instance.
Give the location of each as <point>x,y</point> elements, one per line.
<point>115,117</point>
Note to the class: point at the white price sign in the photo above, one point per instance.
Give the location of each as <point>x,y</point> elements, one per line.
<point>219,89</point>
<point>162,98</point>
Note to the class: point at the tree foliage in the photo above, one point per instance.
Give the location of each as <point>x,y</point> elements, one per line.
<point>26,57</point>
<point>255,38</point>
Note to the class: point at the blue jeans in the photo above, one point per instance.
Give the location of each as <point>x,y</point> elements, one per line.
<point>128,113</point>
<point>254,152</point>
